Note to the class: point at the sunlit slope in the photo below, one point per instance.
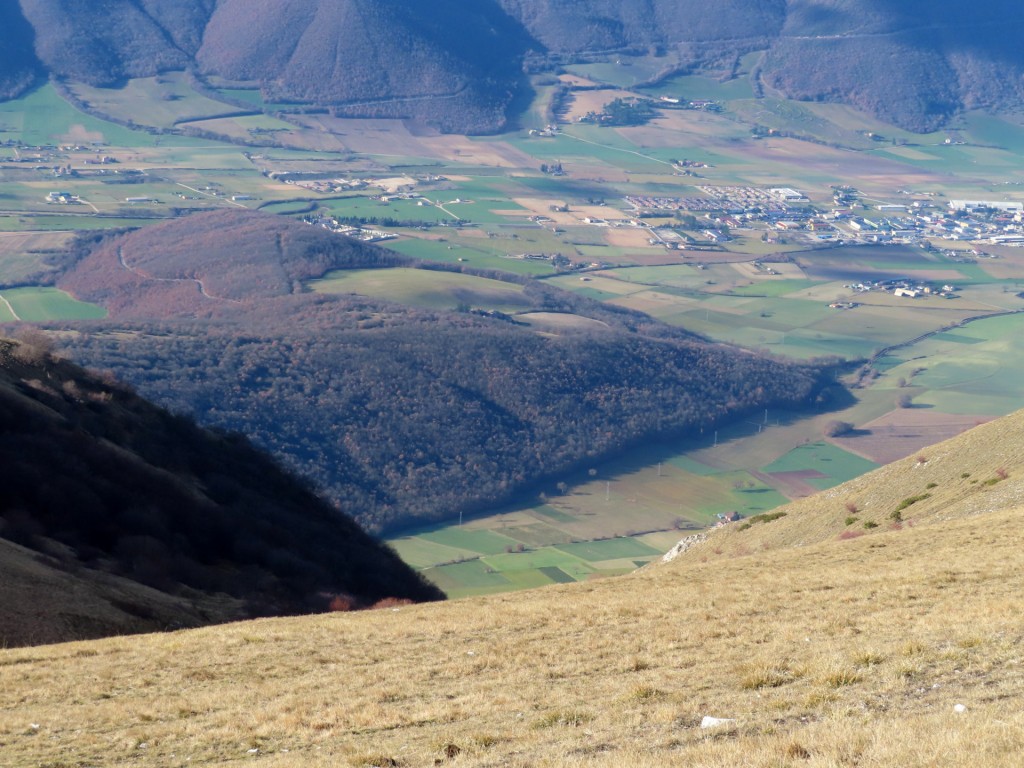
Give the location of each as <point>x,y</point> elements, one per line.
<point>975,473</point>
<point>902,647</point>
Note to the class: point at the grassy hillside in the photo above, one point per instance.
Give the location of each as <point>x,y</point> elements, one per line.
<point>112,493</point>
<point>44,600</point>
<point>969,475</point>
<point>898,648</point>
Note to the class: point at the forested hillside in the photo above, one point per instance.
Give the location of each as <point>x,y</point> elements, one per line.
<point>18,65</point>
<point>99,480</point>
<point>459,66</point>
<point>575,26</point>
<point>912,62</point>
<point>398,414</point>
<point>447,62</point>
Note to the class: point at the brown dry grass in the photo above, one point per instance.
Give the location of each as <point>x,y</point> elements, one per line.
<point>836,653</point>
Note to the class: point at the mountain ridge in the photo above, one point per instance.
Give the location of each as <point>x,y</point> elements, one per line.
<point>914,64</point>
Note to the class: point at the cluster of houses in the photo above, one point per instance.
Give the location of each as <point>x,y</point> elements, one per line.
<point>356,233</point>
<point>901,287</point>
<point>788,211</point>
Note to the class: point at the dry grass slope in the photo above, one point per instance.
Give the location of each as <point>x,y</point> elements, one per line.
<point>977,472</point>
<point>838,653</point>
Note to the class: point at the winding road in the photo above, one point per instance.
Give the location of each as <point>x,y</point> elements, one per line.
<point>139,273</point>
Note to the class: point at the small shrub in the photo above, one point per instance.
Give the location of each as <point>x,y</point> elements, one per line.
<point>644,693</point>
<point>766,517</point>
<point>870,524</point>
<point>851,520</point>
<point>896,515</point>
<point>932,485</point>
<point>835,428</point>
<point>851,507</point>
<point>1002,474</point>
<point>451,751</point>
<point>486,740</point>
<point>342,603</point>
<point>911,500</point>
<point>847,535</point>
<point>379,761</point>
<point>639,665</point>
<point>797,751</point>
<point>765,677</point>
<point>965,475</point>
<point>841,677</point>
<point>868,659</point>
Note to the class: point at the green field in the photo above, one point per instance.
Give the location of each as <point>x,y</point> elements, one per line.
<point>42,117</point>
<point>833,464</point>
<point>454,249</point>
<point>40,305</point>
<point>169,100</point>
<point>427,288</point>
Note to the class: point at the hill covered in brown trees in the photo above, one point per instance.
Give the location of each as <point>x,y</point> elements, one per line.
<point>397,414</point>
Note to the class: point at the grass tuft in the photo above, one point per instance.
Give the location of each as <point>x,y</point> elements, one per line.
<point>573,718</point>
<point>841,677</point>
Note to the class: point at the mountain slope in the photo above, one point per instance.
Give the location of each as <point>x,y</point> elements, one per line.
<point>914,63</point>
<point>445,63</point>
<point>44,600</point>
<point>576,26</point>
<point>979,471</point>
<point>899,648</point>
<point>19,67</point>
<point>105,43</point>
<point>97,479</point>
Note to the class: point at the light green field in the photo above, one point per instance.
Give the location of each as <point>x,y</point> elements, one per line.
<point>976,371</point>
<point>40,305</point>
<point>42,117</point>
<point>834,464</point>
<point>453,249</point>
<point>23,253</point>
<point>165,101</point>
<point>629,71</point>
<point>609,549</point>
<point>426,288</point>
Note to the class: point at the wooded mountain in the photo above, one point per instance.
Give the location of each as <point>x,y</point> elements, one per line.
<point>156,522</point>
<point>397,414</point>
<point>459,65</point>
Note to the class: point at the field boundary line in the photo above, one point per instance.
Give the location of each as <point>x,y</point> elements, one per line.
<point>617,149</point>
<point>8,305</point>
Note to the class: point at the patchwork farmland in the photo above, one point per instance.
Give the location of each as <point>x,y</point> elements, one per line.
<point>553,202</point>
